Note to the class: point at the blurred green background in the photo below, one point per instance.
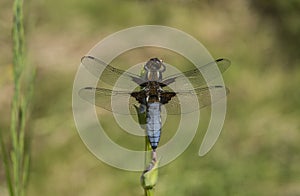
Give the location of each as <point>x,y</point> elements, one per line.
<point>257,152</point>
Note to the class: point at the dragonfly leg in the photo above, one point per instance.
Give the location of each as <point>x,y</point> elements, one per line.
<point>142,108</point>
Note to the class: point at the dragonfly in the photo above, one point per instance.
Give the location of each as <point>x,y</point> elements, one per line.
<point>152,91</point>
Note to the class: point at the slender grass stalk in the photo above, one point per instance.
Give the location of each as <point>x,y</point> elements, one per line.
<point>5,160</point>
<point>16,159</point>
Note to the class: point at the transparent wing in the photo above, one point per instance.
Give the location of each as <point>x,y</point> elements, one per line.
<point>184,101</point>
<point>122,102</point>
<point>119,102</point>
<point>195,76</point>
<point>110,74</point>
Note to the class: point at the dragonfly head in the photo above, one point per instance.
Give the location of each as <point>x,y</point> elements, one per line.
<point>154,68</point>
<point>154,65</point>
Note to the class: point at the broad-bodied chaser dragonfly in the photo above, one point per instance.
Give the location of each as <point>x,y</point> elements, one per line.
<point>153,90</point>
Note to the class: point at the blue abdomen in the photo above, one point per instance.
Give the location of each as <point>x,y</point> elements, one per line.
<point>153,126</point>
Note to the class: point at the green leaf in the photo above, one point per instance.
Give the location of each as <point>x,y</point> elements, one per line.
<point>150,176</point>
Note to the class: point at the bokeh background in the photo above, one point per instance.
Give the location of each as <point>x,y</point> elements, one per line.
<point>258,150</point>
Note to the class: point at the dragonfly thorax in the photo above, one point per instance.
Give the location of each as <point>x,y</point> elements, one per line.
<point>153,91</point>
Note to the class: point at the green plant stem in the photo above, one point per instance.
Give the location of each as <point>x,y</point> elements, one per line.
<point>5,159</point>
<point>17,134</point>
<point>149,192</point>
<point>150,174</point>
<point>16,162</point>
